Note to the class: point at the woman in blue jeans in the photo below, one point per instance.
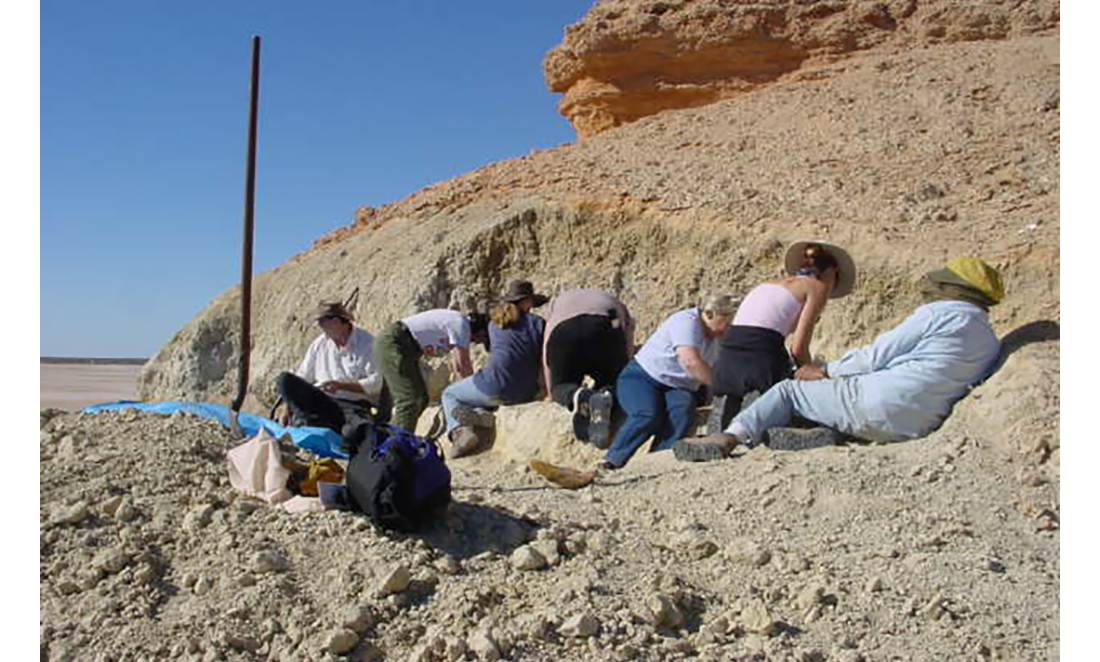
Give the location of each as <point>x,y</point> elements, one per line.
<point>511,376</point>
<point>658,387</point>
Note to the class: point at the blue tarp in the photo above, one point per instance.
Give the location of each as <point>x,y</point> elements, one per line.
<point>321,441</point>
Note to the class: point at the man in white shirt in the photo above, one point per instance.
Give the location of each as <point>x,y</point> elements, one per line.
<point>337,379</point>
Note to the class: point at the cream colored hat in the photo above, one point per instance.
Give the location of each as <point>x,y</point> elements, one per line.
<point>845,280</point>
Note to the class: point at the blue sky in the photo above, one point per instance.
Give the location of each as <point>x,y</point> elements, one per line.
<point>143,138</point>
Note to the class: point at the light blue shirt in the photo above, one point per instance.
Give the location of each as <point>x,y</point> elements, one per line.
<point>658,355</point>
<point>904,384</point>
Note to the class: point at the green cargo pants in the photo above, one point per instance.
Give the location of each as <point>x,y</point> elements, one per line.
<point>398,356</point>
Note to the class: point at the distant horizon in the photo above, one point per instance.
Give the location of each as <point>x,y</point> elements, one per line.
<point>118,360</point>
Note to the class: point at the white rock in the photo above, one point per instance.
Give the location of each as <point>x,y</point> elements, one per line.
<point>340,641</point>
<point>74,514</point>
<point>448,565</point>
<point>395,581</point>
<point>874,584</point>
<point>750,552</point>
<point>483,646</point>
<point>548,548</point>
<point>126,512</point>
<point>358,618</point>
<point>808,597</point>
<point>112,560</point>
<point>756,617</point>
<point>198,518</point>
<point>664,612</point>
<point>580,626</point>
<point>527,558</point>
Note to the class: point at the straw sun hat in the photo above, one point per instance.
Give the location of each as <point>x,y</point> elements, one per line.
<point>846,278</point>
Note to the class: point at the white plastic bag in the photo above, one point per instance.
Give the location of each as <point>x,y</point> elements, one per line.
<point>256,468</point>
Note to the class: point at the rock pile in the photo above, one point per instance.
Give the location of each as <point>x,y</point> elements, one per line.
<point>859,552</point>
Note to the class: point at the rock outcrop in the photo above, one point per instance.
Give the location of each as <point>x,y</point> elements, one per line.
<point>906,157</point>
<point>627,59</point>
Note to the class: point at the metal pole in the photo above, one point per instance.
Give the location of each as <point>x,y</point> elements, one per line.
<point>246,258</point>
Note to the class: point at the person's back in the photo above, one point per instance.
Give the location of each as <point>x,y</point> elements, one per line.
<point>514,360</point>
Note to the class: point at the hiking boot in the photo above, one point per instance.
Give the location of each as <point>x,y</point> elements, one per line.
<point>715,446</point>
<point>599,418</point>
<point>801,439</point>
<point>474,417</point>
<point>464,441</point>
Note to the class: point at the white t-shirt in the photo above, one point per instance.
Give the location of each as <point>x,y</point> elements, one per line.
<point>658,354</point>
<point>325,362</point>
<point>439,331</point>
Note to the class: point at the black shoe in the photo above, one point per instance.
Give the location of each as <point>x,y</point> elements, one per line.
<point>704,449</point>
<point>599,418</point>
<point>801,439</point>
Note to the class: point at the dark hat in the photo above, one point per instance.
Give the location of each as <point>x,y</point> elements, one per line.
<point>332,309</point>
<point>518,290</point>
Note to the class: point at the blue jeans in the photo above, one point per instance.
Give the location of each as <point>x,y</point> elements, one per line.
<point>464,392</point>
<point>652,410</point>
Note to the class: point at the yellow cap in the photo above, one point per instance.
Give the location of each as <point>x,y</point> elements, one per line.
<point>980,275</point>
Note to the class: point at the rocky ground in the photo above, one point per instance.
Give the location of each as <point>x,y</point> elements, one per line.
<point>945,548</point>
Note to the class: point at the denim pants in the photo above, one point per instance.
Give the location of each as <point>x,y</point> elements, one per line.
<point>464,392</point>
<point>652,410</point>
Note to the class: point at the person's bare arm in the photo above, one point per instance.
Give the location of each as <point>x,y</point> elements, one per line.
<point>460,361</point>
<point>804,330</point>
<point>692,361</point>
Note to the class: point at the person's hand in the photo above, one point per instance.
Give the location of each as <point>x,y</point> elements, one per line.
<point>330,386</point>
<point>811,372</point>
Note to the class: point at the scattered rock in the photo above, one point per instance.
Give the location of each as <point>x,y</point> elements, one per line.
<point>580,626</point>
<point>395,581</point>
<point>527,558</point>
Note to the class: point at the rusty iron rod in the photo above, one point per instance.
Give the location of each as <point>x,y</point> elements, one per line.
<point>249,206</point>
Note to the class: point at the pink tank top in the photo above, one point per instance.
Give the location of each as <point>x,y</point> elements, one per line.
<point>771,306</point>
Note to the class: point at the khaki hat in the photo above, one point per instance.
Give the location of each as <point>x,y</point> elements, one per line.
<point>518,290</point>
<point>967,270</point>
<point>332,309</point>
<point>846,278</point>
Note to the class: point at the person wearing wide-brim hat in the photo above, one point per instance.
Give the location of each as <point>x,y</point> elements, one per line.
<point>901,386</point>
<point>511,375</point>
<point>337,380</point>
<point>754,353</point>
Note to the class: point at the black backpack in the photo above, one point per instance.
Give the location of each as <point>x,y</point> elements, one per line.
<point>397,478</point>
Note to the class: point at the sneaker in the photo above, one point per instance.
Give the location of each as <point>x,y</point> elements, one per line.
<point>703,449</point>
<point>464,441</point>
<point>800,439</point>
<point>474,417</point>
<point>599,418</point>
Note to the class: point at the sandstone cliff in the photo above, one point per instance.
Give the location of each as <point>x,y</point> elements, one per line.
<point>627,60</point>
